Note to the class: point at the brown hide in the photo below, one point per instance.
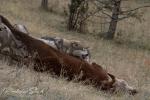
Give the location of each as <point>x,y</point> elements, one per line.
<point>49,59</point>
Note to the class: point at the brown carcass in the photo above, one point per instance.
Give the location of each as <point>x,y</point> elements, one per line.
<point>49,59</point>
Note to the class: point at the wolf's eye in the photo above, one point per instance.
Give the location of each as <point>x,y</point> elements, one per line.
<point>0,29</point>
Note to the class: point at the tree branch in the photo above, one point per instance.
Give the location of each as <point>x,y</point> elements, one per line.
<point>121,18</point>
<point>106,14</point>
<point>135,9</point>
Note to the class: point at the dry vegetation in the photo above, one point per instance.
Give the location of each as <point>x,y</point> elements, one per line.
<point>128,57</point>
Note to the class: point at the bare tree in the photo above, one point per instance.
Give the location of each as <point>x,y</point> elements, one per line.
<point>44,4</point>
<point>112,9</point>
<point>77,15</point>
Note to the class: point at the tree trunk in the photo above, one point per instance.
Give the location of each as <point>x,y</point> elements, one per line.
<point>72,10</point>
<point>114,20</point>
<point>44,4</point>
<point>83,27</point>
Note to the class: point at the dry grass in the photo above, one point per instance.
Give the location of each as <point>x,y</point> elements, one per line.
<point>127,61</point>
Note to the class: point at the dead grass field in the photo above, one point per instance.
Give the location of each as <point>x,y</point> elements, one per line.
<point>129,60</point>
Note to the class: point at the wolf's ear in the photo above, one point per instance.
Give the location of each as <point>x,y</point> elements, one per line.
<point>15,25</point>
<point>93,63</point>
<point>74,44</point>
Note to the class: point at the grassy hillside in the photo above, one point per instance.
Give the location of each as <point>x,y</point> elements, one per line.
<point>129,59</point>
